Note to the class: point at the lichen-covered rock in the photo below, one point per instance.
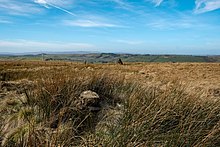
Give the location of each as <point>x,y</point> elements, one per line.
<point>89,95</point>
<point>89,100</point>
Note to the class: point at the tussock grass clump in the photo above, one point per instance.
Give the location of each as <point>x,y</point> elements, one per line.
<point>173,118</point>
<point>53,114</point>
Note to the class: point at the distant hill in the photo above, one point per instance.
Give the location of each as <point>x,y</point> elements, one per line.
<point>110,57</point>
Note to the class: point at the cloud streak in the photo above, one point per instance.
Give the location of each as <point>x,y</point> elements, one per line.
<point>48,3</point>
<point>122,4</point>
<point>89,23</point>
<point>157,2</point>
<point>166,24</point>
<point>203,6</point>
<point>3,21</point>
<point>14,7</point>
<point>170,25</point>
<point>32,46</point>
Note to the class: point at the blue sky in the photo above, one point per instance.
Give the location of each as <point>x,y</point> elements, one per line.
<point>120,26</point>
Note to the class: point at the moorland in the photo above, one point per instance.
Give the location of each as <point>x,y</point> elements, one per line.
<point>60,103</point>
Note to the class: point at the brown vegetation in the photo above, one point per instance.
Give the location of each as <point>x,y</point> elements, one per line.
<point>141,104</point>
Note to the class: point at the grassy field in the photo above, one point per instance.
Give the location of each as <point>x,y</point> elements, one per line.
<point>141,104</point>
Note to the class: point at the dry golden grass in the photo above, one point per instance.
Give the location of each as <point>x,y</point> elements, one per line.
<point>198,77</point>
<point>148,104</point>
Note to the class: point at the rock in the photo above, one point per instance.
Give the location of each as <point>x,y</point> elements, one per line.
<point>89,95</point>
<point>120,61</point>
<point>90,100</point>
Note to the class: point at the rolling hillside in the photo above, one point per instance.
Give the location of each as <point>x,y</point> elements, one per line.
<point>111,57</point>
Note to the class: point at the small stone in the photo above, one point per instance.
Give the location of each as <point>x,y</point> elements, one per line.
<point>90,100</point>
<point>89,95</point>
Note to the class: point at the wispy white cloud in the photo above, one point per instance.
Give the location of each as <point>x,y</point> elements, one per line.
<point>167,24</point>
<point>15,7</point>
<point>173,23</point>
<point>120,2</point>
<point>28,45</point>
<point>55,4</point>
<point>203,6</point>
<point>89,23</point>
<point>155,2</point>
<point>123,4</point>
<point>60,3</point>
<point>5,21</point>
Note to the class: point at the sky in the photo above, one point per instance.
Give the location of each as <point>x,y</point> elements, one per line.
<point>117,26</point>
